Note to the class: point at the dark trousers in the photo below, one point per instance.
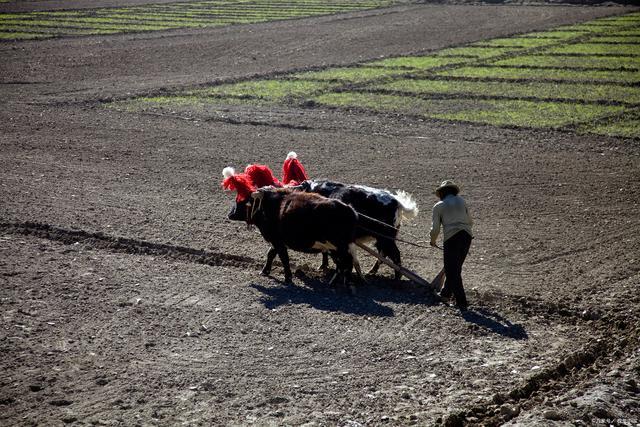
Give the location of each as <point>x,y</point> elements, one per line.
<point>455,252</point>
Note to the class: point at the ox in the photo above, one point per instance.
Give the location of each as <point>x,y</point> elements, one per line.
<point>381,213</point>
<point>304,222</point>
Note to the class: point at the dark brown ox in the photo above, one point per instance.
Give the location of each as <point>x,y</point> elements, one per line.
<point>303,222</point>
<point>380,214</point>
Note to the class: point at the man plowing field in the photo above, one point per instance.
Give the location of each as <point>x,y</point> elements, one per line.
<point>452,215</point>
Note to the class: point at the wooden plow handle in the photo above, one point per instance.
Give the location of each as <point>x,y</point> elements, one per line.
<point>405,271</point>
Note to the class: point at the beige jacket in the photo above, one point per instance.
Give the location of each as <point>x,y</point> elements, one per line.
<point>452,213</point>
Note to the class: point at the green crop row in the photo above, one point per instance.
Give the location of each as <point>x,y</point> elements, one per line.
<point>593,28</point>
<point>554,79</point>
<point>626,126</point>
<point>273,89</point>
<point>622,33</point>
<point>559,35</point>
<point>80,24</point>
<point>156,17</point>
<point>517,42</point>
<point>596,49</point>
<point>475,52</point>
<point>419,62</point>
<point>494,112</point>
<point>566,91</point>
<point>632,18</point>
<point>543,74</point>
<point>350,74</point>
<point>616,39</point>
<point>22,36</point>
<point>53,31</point>
<point>563,61</point>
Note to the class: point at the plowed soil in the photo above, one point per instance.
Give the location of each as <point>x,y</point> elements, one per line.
<point>128,298</point>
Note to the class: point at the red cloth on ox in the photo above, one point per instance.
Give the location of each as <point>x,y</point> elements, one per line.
<point>240,183</point>
<point>261,176</point>
<point>293,172</point>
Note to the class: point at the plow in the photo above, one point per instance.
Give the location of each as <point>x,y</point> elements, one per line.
<point>435,285</point>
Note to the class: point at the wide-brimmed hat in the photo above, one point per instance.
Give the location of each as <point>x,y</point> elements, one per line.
<point>448,184</point>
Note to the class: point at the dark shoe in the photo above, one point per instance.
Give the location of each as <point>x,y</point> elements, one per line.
<point>463,306</point>
<point>445,299</point>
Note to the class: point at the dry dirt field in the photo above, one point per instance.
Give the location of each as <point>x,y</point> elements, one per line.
<point>128,298</point>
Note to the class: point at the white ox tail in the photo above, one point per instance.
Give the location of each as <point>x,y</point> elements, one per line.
<point>408,207</point>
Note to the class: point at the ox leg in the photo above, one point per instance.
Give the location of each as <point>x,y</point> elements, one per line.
<point>374,269</point>
<point>356,263</point>
<point>339,259</point>
<point>271,254</point>
<point>389,249</point>
<point>284,258</point>
<point>325,262</point>
<point>394,255</point>
<point>344,264</point>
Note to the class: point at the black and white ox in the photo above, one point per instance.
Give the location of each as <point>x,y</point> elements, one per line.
<point>303,222</point>
<point>380,214</point>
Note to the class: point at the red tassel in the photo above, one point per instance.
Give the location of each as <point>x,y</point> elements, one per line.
<point>293,172</point>
<point>240,183</point>
<point>261,176</point>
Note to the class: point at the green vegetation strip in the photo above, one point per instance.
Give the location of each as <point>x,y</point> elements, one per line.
<point>596,49</point>
<point>350,74</point>
<point>476,52</point>
<point>593,28</point>
<point>563,61</point>
<point>543,74</point>
<point>493,112</point>
<point>633,18</point>
<point>517,42</point>
<point>419,62</point>
<point>155,17</point>
<point>584,77</point>
<point>623,33</point>
<point>566,91</point>
<point>604,39</point>
<point>627,126</point>
<point>560,35</point>
<point>183,103</point>
<point>274,89</point>
<point>53,31</point>
<point>22,36</point>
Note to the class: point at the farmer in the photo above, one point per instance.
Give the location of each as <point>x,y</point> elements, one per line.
<point>451,212</point>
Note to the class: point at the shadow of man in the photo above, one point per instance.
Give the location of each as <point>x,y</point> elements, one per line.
<point>495,323</point>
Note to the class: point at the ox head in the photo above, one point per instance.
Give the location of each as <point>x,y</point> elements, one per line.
<point>246,210</point>
<point>244,187</point>
<point>238,211</point>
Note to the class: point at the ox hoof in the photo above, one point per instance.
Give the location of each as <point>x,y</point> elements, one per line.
<point>288,280</point>
<point>265,272</point>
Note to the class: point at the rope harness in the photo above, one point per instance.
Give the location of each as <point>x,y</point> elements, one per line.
<point>397,229</point>
<point>256,205</point>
